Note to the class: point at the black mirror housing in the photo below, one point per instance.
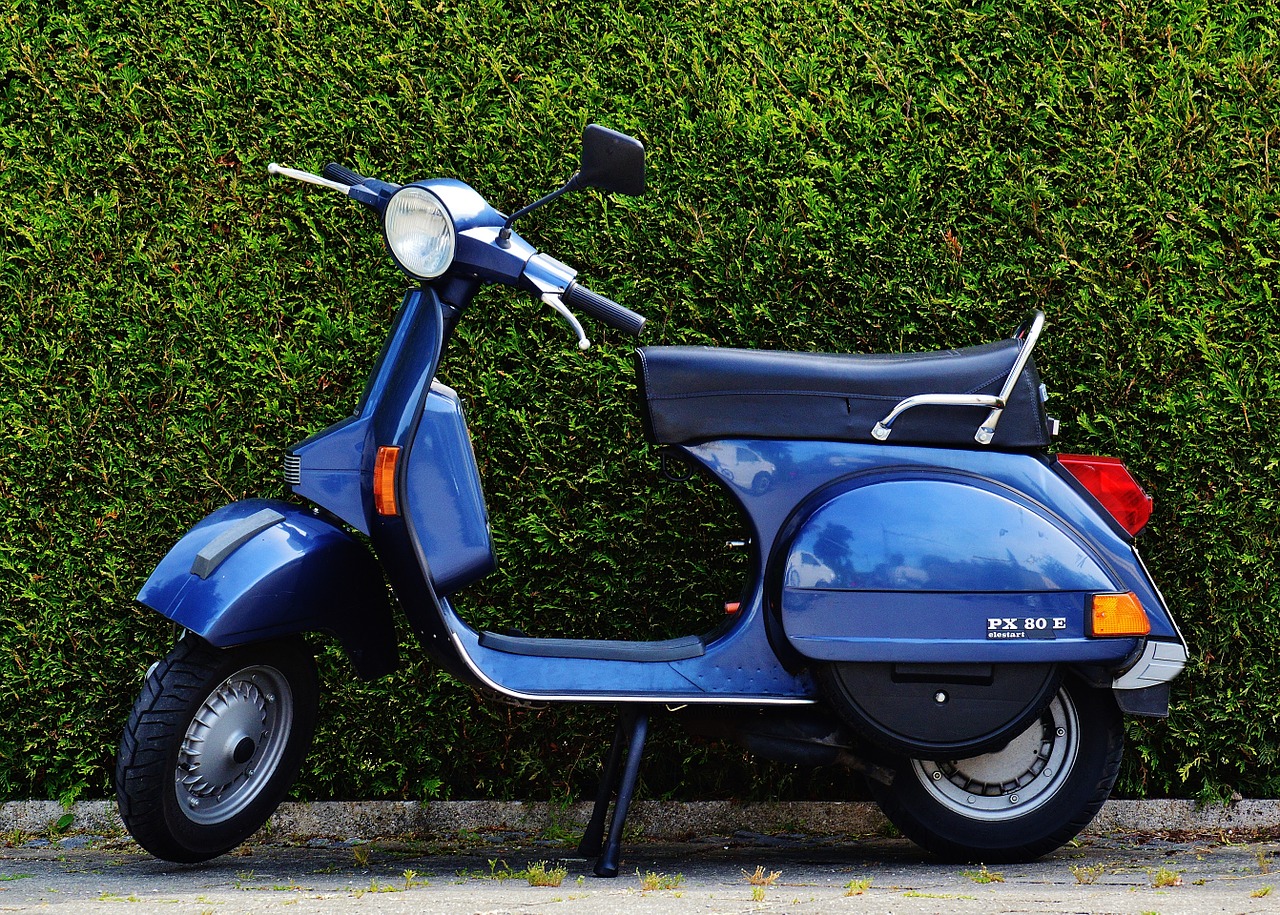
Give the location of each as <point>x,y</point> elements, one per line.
<point>611,161</point>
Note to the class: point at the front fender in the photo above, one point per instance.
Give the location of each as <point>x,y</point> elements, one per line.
<point>260,569</point>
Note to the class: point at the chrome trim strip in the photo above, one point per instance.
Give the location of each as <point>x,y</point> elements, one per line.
<point>699,698</point>
<point>1159,594</point>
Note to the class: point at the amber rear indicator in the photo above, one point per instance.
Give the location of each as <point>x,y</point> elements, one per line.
<point>384,480</point>
<point>1118,615</point>
<point>1110,482</point>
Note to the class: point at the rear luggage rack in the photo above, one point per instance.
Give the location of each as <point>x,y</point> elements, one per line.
<point>1029,332</point>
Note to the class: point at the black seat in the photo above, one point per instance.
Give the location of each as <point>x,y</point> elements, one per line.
<point>698,393</point>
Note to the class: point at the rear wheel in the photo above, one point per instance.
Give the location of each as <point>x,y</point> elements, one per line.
<point>1021,801</point>
<point>213,743</point>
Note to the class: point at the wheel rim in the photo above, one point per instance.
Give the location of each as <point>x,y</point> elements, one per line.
<point>234,744</point>
<point>1014,780</point>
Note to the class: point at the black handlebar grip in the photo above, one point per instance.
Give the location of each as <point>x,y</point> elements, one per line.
<point>343,175</point>
<point>602,309</point>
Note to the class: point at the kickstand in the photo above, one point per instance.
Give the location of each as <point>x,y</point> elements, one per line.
<point>633,727</point>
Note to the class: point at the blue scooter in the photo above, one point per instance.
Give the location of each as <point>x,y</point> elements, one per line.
<point>935,601</point>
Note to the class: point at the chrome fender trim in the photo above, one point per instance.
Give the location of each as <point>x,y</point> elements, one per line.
<point>1159,663</point>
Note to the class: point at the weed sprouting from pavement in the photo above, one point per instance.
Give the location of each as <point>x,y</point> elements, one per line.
<point>760,878</point>
<point>984,876</point>
<point>538,874</point>
<point>649,881</point>
<point>857,887</point>
<point>1088,873</point>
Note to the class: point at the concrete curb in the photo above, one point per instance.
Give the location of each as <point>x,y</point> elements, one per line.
<point>658,820</point>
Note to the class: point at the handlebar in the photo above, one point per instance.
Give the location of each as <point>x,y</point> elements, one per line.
<point>374,193</point>
<point>369,191</point>
<point>335,172</point>
<point>604,309</point>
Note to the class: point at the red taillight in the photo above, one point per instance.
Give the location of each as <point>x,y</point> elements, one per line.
<point>1111,484</point>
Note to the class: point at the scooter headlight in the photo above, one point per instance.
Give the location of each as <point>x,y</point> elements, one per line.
<point>420,232</point>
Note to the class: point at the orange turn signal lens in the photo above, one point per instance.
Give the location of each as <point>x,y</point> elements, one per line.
<point>384,480</point>
<point>1119,615</point>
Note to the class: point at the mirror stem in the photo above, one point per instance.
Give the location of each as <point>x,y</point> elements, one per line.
<point>504,235</point>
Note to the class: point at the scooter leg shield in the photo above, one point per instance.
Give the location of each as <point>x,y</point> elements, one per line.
<point>261,569</point>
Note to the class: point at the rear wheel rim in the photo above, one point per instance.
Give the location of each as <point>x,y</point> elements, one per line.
<point>234,744</point>
<point>1014,780</point>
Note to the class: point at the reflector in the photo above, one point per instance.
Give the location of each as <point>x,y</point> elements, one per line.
<point>1111,484</point>
<point>384,480</point>
<point>1118,615</point>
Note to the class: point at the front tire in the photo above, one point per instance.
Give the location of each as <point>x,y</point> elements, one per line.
<point>1019,802</point>
<point>213,743</point>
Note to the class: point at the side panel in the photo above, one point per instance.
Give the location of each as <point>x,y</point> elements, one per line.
<point>780,484</point>
<point>443,498</point>
<point>912,565</point>
<point>241,575</point>
<point>935,532</point>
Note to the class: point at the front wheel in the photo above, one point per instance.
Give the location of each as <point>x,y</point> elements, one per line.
<point>1021,801</point>
<point>213,743</point>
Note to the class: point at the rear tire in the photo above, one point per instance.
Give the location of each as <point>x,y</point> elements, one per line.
<point>1022,801</point>
<point>214,742</point>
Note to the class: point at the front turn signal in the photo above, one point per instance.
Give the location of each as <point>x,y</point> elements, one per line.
<point>384,480</point>
<point>1119,615</point>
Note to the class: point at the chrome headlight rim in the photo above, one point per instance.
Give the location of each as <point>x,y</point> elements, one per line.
<point>419,232</point>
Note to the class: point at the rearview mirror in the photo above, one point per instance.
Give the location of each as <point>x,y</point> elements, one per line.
<point>611,161</point>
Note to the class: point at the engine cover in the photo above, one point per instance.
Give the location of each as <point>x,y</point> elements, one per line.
<point>939,711</point>
<point>926,565</point>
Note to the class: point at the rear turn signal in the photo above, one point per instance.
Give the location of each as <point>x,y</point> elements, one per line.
<point>1119,615</point>
<point>1111,484</point>
<point>384,480</point>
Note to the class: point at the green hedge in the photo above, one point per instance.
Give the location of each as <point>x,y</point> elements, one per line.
<point>824,175</point>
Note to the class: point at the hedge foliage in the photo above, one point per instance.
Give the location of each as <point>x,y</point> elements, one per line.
<point>836,175</point>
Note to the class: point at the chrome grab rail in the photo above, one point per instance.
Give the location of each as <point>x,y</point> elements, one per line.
<point>1029,330</point>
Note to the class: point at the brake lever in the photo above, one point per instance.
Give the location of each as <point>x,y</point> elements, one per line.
<point>570,318</point>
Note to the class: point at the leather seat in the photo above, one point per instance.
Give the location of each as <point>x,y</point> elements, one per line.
<point>697,393</point>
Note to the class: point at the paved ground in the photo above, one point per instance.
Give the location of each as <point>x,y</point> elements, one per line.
<point>1118,872</point>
